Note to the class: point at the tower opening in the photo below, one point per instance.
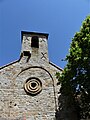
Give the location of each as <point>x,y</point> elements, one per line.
<point>35,42</point>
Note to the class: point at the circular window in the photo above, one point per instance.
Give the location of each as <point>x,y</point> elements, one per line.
<point>33,86</point>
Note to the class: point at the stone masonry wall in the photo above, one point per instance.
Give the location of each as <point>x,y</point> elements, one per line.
<point>28,87</point>
<point>15,103</point>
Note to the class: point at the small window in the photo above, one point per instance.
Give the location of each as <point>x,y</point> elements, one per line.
<point>35,42</point>
<point>26,53</point>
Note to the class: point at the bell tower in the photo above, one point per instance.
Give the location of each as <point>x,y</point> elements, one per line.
<point>34,47</point>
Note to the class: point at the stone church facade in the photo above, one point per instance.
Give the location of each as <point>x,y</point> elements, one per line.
<point>28,86</point>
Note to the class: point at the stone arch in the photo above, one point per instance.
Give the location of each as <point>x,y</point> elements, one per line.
<point>35,67</point>
<point>48,74</point>
<point>42,102</point>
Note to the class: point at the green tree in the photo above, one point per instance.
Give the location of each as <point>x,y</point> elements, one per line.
<point>75,78</point>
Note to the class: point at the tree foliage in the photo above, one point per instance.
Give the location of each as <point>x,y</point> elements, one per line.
<point>75,78</point>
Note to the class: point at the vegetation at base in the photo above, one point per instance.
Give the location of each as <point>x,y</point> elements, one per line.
<point>75,78</point>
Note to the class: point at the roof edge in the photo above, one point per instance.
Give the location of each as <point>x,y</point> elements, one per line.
<point>9,64</point>
<point>19,60</point>
<point>34,33</point>
<point>55,66</point>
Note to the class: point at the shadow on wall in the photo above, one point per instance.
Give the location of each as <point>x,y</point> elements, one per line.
<point>66,110</point>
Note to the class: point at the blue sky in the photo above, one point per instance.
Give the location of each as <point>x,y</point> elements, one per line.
<point>60,18</point>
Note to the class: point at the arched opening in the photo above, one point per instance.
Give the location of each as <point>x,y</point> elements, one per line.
<point>35,42</point>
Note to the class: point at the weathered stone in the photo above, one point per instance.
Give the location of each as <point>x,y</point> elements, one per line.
<point>15,102</point>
